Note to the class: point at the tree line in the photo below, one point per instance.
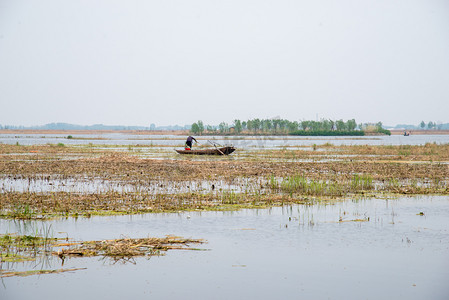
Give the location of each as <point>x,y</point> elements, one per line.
<point>430,126</point>
<point>281,126</point>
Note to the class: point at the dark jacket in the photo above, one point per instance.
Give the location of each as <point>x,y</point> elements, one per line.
<point>190,138</point>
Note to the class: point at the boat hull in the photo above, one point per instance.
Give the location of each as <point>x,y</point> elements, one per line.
<point>216,151</point>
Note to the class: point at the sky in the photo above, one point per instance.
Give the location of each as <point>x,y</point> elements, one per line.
<point>173,62</point>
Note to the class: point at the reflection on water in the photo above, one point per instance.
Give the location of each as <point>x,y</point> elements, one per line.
<point>353,249</point>
<point>84,184</point>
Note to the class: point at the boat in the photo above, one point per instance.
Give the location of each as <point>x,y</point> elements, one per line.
<point>217,151</point>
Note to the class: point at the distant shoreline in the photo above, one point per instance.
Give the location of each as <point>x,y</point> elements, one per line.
<point>85,131</point>
<point>419,132</point>
<point>176,132</point>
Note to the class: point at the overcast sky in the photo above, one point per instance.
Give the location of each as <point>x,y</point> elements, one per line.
<point>178,61</point>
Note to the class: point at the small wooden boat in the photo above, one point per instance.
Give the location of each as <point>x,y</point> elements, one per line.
<point>217,151</point>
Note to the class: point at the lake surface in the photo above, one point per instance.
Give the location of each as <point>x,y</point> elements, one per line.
<point>365,249</point>
<point>298,251</point>
<point>250,142</point>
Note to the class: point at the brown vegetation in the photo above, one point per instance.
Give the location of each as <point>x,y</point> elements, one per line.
<point>20,248</point>
<point>129,183</point>
<point>125,248</point>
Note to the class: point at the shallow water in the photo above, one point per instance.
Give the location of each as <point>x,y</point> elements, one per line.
<point>80,184</point>
<point>299,251</point>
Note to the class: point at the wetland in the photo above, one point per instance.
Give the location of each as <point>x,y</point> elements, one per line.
<point>294,213</point>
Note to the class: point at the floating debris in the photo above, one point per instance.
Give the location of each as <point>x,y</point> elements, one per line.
<point>126,248</point>
<point>36,272</point>
<point>16,248</point>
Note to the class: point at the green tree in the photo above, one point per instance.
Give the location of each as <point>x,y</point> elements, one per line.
<point>195,128</point>
<point>361,126</point>
<point>250,125</point>
<point>283,125</point>
<point>200,127</point>
<point>238,126</point>
<point>256,123</point>
<point>292,126</point>
<point>326,125</point>
<point>210,128</point>
<point>351,125</point>
<point>422,125</point>
<point>265,128</point>
<point>305,125</point>
<point>276,123</point>
<point>269,124</point>
<point>341,126</point>
<point>223,127</point>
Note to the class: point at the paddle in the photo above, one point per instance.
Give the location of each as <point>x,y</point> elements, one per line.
<point>219,150</point>
<point>216,147</point>
<point>213,143</point>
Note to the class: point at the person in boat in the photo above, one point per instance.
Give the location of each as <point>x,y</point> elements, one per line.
<point>189,142</point>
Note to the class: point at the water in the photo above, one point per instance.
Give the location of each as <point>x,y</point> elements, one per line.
<point>288,252</point>
<point>248,142</point>
<point>298,251</point>
<point>96,185</point>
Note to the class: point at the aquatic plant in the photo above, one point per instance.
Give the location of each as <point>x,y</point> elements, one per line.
<point>361,182</point>
<point>22,212</point>
<point>15,248</point>
<point>274,184</point>
<point>299,184</point>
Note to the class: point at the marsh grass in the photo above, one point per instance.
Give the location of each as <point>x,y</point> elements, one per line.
<point>17,248</point>
<point>168,196</point>
<point>112,180</point>
<point>22,212</point>
<point>362,182</point>
<point>299,184</point>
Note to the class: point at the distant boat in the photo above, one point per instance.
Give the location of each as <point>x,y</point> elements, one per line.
<point>217,151</point>
<point>406,133</point>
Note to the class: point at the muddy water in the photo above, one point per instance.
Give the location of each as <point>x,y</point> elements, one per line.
<point>365,249</point>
